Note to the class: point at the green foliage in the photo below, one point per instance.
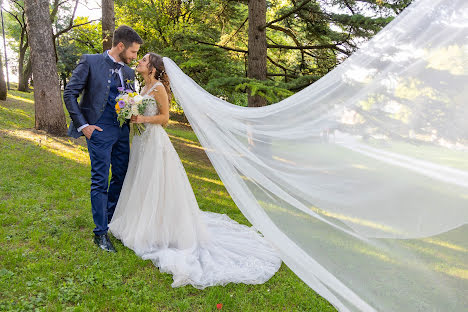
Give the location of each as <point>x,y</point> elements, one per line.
<point>68,55</point>
<point>193,33</point>
<point>272,91</point>
<point>176,33</point>
<point>188,32</point>
<point>86,38</point>
<point>70,46</point>
<point>13,21</point>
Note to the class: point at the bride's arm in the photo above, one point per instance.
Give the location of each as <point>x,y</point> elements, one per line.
<point>162,118</point>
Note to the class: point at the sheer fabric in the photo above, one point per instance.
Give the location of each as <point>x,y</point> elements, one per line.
<point>361,179</point>
<point>157,216</point>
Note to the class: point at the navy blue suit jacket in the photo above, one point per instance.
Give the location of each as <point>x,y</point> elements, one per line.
<point>92,76</point>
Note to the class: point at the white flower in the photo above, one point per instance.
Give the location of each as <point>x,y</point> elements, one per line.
<point>135,110</point>
<point>138,99</point>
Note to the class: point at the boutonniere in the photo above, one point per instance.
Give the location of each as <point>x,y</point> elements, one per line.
<point>130,83</point>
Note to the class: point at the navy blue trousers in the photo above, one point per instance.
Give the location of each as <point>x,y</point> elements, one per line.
<point>108,149</point>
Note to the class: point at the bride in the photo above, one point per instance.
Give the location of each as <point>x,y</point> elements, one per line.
<point>157,215</point>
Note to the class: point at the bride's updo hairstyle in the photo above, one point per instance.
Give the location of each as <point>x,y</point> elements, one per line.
<point>156,67</point>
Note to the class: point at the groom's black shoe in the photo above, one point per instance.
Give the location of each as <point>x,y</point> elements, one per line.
<point>104,242</point>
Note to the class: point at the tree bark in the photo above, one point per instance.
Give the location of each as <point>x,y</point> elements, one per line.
<point>108,23</point>
<point>3,86</point>
<point>24,73</point>
<point>24,76</point>
<point>257,60</point>
<point>49,114</point>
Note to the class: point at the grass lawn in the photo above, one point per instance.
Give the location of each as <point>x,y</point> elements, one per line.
<point>48,261</point>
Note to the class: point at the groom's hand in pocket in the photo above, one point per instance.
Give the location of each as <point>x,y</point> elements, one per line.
<point>88,131</point>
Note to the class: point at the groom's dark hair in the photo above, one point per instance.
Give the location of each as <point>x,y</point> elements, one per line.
<point>127,35</point>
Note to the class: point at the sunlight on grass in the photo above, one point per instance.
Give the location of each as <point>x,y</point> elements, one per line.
<point>444,244</point>
<point>451,265</point>
<point>198,165</point>
<point>217,182</point>
<point>363,222</point>
<point>455,272</point>
<point>186,142</point>
<point>338,216</point>
<point>20,98</point>
<point>48,261</point>
<point>360,166</point>
<point>15,111</point>
<point>284,160</point>
<point>54,145</point>
<point>375,254</point>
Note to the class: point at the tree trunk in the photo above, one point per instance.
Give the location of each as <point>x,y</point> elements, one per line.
<point>21,74</point>
<point>108,23</point>
<point>23,48</point>
<point>257,60</point>
<point>49,112</point>
<point>24,76</point>
<point>3,86</point>
<point>64,81</point>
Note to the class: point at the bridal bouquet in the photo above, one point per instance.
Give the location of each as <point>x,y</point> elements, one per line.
<point>130,103</point>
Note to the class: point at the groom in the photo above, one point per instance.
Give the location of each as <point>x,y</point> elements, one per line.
<point>98,77</point>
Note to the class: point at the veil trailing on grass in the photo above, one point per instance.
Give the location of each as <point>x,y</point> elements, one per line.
<point>361,179</point>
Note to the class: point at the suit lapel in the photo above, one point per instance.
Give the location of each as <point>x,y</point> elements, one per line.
<point>106,67</point>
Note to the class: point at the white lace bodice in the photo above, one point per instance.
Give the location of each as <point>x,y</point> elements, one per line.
<point>151,107</point>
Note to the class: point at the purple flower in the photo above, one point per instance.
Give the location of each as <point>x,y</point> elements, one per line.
<point>121,104</point>
<point>129,91</point>
<point>121,89</point>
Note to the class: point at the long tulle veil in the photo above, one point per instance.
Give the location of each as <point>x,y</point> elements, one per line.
<point>361,179</point>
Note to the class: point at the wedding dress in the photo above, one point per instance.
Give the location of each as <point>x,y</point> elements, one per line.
<point>158,217</point>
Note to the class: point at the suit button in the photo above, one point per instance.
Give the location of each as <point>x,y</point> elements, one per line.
<point>108,81</point>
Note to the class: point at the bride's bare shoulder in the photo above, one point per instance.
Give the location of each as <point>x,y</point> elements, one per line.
<point>157,89</point>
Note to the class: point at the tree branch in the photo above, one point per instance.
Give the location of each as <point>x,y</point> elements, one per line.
<point>15,16</point>
<point>394,8</point>
<point>223,47</point>
<point>73,26</point>
<point>279,65</point>
<point>349,7</point>
<point>70,25</point>
<point>280,75</point>
<point>298,8</point>
<point>18,4</point>
<point>87,43</point>
<point>317,47</point>
<point>290,33</point>
<point>238,29</point>
<point>55,8</point>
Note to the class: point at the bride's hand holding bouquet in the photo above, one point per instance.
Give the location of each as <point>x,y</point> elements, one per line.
<point>130,104</point>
